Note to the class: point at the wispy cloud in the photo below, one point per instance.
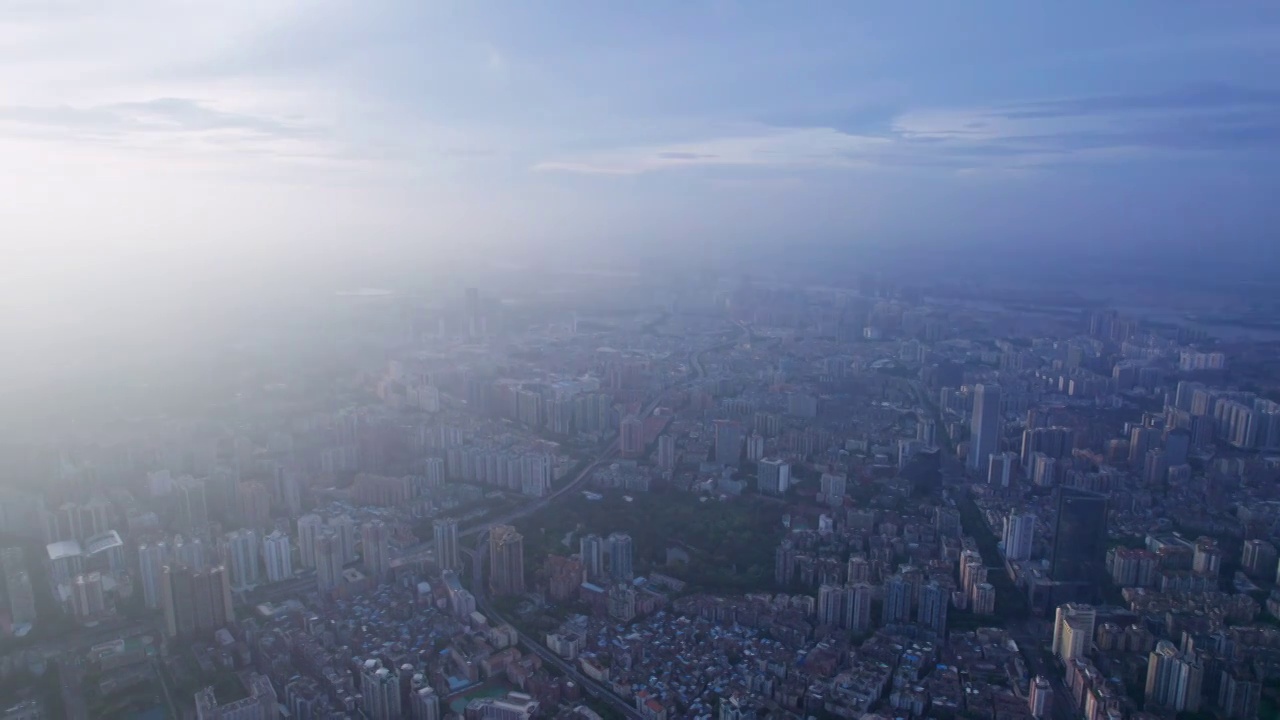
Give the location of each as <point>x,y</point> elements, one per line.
<point>1014,136</point>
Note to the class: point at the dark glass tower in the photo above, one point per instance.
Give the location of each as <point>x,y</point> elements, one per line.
<point>1080,538</point>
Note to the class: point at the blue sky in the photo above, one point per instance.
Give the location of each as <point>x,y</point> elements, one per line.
<point>245,131</point>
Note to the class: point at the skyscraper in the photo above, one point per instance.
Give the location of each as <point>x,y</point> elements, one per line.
<point>308,530</point>
<point>1080,540</point>
<point>424,704</point>
<point>933,607</point>
<point>729,437</point>
<point>631,436</point>
<point>278,557</point>
<point>620,557</point>
<point>773,476</point>
<point>984,426</point>
<point>347,535</point>
<point>1174,679</point>
<point>379,692</point>
<point>1073,627</point>
<point>897,601</point>
<point>152,557</point>
<point>666,452</point>
<point>1019,535</point>
<point>192,512</point>
<point>375,551</point>
<point>242,555</point>
<point>831,605</point>
<point>506,561</point>
<point>22,598</point>
<point>591,548</point>
<point>196,601</point>
<point>446,535</point>
<point>328,553</point>
<point>858,605</point>
<point>253,504</point>
<point>1040,700</point>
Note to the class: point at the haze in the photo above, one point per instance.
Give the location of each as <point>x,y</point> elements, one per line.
<point>157,151</point>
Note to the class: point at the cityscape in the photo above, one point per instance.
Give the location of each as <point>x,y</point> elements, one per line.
<point>664,360</point>
<point>747,501</point>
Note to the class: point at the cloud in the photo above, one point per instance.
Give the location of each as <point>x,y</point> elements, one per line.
<point>1017,136</point>
<point>766,147</point>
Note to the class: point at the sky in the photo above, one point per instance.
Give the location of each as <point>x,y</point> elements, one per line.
<point>164,141</point>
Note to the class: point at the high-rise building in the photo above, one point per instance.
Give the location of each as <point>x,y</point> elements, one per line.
<point>196,601</point>
<point>375,550</point>
<point>379,692</point>
<point>87,598</point>
<point>773,476</point>
<point>666,452</point>
<point>1080,539</point>
<point>832,489</point>
<point>192,512</point>
<point>897,601</point>
<point>858,570</point>
<point>446,535</point>
<point>277,556</point>
<point>424,704</point>
<point>309,527</point>
<point>932,613</point>
<point>22,598</point>
<point>755,447</point>
<point>631,436</point>
<point>1239,693</point>
<point>506,561</point>
<point>253,504</point>
<point>1073,626</point>
<point>729,437</point>
<point>591,549</point>
<point>242,555</point>
<point>1019,535</point>
<point>1053,442</point>
<point>329,562</point>
<point>620,557</point>
<point>152,557</point>
<point>1000,469</point>
<point>348,534</point>
<point>189,552</point>
<point>1174,679</point>
<point>984,426</point>
<point>1207,559</point>
<point>983,598</point>
<point>858,606</point>
<point>1259,559</point>
<point>1040,701</point>
<point>831,605</point>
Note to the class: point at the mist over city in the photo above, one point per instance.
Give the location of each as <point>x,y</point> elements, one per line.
<point>564,360</point>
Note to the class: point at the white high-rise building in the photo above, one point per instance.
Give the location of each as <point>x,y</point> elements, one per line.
<point>242,556</point>
<point>1073,626</point>
<point>151,561</point>
<point>984,427</point>
<point>1019,535</point>
<point>308,528</point>
<point>277,556</point>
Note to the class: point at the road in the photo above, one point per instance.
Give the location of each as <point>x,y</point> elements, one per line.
<point>478,557</point>
<point>534,645</point>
